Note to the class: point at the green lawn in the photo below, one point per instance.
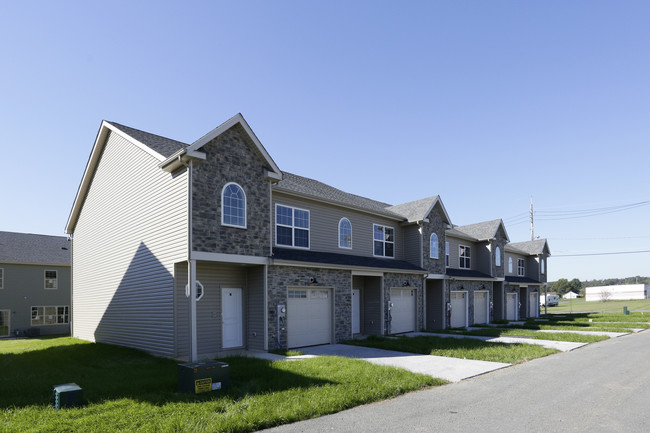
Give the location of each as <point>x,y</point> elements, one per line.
<point>553,336</point>
<point>581,306</point>
<point>128,390</point>
<point>458,348</point>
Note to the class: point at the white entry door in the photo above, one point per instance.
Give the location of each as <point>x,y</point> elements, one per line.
<point>511,306</point>
<point>356,311</point>
<point>232,329</point>
<point>458,310</point>
<point>403,312</point>
<point>481,306</point>
<point>532,304</point>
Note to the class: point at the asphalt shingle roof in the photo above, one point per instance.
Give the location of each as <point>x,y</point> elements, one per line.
<point>467,273</point>
<point>530,247</point>
<point>521,280</point>
<point>415,210</point>
<point>342,259</point>
<point>481,231</point>
<point>164,146</point>
<point>32,248</point>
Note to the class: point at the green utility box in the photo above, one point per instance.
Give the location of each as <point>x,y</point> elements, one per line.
<point>67,395</point>
<point>199,377</point>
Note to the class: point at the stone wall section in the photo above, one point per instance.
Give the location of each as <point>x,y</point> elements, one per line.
<point>438,226</point>
<point>231,157</point>
<point>281,278</point>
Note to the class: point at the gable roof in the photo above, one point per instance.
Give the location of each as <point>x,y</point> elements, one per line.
<point>28,248</point>
<point>482,231</point>
<point>310,188</point>
<point>538,246</point>
<point>419,210</point>
<point>166,147</point>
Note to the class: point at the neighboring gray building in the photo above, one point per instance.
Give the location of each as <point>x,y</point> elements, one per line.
<point>199,250</point>
<point>34,284</point>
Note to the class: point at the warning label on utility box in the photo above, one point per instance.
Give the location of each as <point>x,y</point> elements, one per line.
<point>202,385</point>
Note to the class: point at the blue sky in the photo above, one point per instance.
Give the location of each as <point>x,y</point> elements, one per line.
<point>485,103</point>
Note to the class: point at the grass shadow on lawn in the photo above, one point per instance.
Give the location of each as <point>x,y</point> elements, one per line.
<point>106,372</point>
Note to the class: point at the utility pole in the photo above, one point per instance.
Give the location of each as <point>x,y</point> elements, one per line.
<point>532,225</point>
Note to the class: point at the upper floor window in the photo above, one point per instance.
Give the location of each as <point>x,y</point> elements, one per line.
<point>497,258</point>
<point>543,267</point>
<point>345,233</point>
<point>464,257</point>
<point>2,278</point>
<point>233,206</point>
<point>521,270</point>
<point>433,246</point>
<point>291,226</point>
<point>384,241</point>
<point>51,278</point>
<point>510,264</point>
<point>447,254</point>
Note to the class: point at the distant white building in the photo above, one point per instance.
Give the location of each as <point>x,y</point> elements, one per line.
<point>617,293</point>
<point>570,295</point>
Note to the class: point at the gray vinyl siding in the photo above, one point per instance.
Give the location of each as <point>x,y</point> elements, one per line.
<point>413,240</point>
<point>483,256</point>
<point>324,226</point>
<point>24,288</point>
<point>130,232</point>
<point>256,308</point>
<point>515,257</point>
<point>454,243</point>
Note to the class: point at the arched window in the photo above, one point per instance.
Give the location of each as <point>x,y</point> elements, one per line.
<point>497,259</point>
<point>510,264</point>
<point>233,206</point>
<point>433,246</point>
<point>345,233</point>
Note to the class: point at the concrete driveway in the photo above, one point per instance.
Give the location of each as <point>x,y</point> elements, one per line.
<point>451,369</point>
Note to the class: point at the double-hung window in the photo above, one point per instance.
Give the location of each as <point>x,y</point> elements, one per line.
<point>51,280</point>
<point>291,226</point>
<point>447,254</point>
<point>521,267</point>
<point>464,257</point>
<point>384,241</point>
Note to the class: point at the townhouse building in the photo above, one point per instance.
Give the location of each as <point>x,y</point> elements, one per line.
<point>196,250</point>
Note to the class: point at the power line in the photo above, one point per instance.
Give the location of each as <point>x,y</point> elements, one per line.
<point>601,254</point>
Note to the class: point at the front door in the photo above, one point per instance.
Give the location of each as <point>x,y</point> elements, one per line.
<point>232,328</point>
<point>356,311</point>
<point>511,306</point>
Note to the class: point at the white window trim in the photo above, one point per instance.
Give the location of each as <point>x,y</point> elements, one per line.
<point>433,252</point>
<point>223,223</point>
<point>56,280</point>
<point>200,290</point>
<point>384,241</point>
<point>543,266</point>
<point>2,278</point>
<point>497,260</point>
<point>510,271</point>
<point>465,257</point>
<point>292,227</point>
<point>446,254</point>
<point>522,268</point>
<point>339,239</point>
<point>56,308</point>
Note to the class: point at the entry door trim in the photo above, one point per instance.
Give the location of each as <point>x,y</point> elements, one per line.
<point>232,318</point>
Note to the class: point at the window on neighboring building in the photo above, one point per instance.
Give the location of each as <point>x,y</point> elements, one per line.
<point>447,254</point>
<point>2,278</point>
<point>51,280</point>
<point>384,241</point>
<point>50,315</point>
<point>233,206</point>
<point>510,264</point>
<point>433,246</point>
<point>464,257</point>
<point>497,259</point>
<point>345,233</point>
<point>291,226</point>
<point>543,266</point>
<point>521,270</point>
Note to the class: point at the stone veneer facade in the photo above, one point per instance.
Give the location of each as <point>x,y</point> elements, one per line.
<point>231,157</point>
<point>438,226</point>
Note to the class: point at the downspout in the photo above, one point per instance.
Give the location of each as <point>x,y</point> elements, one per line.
<point>266,270</point>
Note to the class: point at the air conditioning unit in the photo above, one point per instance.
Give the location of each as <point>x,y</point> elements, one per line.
<point>67,395</point>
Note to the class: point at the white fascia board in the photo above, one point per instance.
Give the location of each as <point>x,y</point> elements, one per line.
<point>472,279</point>
<point>357,270</point>
<point>437,277</point>
<point>367,274</point>
<point>238,118</point>
<point>179,158</point>
<point>438,200</point>
<point>228,258</point>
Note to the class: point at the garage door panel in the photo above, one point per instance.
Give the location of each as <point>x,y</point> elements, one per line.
<point>458,309</point>
<point>309,317</point>
<point>403,311</point>
<point>481,307</point>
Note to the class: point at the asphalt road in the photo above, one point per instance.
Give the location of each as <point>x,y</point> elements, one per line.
<point>602,387</point>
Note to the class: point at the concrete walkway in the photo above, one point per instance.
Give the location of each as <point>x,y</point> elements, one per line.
<point>450,369</point>
<point>563,346</point>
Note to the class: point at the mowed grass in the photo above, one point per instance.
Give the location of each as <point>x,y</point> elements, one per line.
<point>552,336</point>
<point>467,348</point>
<point>128,390</point>
<point>582,306</point>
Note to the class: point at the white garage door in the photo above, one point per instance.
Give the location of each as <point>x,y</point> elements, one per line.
<point>309,317</point>
<point>481,299</point>
<point>511,306</point>
<point>458,310</point>
<point>403,312</point>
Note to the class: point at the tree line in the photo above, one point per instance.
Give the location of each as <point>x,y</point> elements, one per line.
<point>563,285</point>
